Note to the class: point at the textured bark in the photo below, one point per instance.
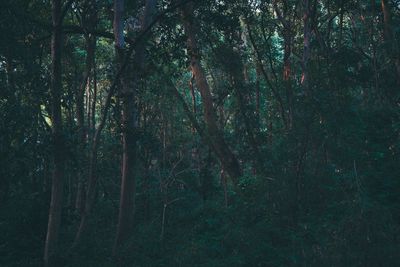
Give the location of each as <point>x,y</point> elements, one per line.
<point>58,146</point>
<point>221,149</point>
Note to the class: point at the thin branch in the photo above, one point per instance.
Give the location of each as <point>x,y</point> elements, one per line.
<point>273,89</point>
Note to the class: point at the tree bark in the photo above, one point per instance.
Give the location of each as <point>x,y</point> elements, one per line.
<point>129,121</point>
<point>227,158</point>
<point>58,143</point>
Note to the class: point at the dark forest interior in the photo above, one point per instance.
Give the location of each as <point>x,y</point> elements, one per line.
<point>199,133</point>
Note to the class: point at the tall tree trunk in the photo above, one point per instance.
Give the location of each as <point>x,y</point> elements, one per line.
<point>284,17</point>
<point>386,19</point>
<point>258,95</point>
<point>92,178</point>
<point>224,153</point>
<point>129,124</point>
<point>129,121</point>
<point>83,130</point>
<point>58,143</point>
<point>239,84</point>
<point>94,99</point>
<point>287,51</point>
<point>306,46</point>
<point>83,197</point>
<point>341,22</point>
<point>393,46</point>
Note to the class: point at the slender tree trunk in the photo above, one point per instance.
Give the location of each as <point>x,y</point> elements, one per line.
<point>341,22</point>
<point>238,83</point>
<point>58,144</point>
<point>189,114</point>
<point>84,130</point>
<point>94,99</point>
<point>224,153</point>
<point>393,46</point>
<point>386,19</point>
<point>146,189</point>
<point>92,178</point>
<point>258,95</point>
<point>265,75</point>
<point>129,121</point>
<point>287,51</point>
<point>306,46</point>
<point>84,198</point>
<point>193,94</point>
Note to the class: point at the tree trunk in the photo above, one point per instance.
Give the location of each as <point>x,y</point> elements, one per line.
<point>393,47</point>
<point>83,199</point>
<point>284,17</point>
<point>287,51</point>
<point>265,75</point>
<point>83,130</point>
<point>258,96</point>
<point>58,143</point>
<point>238,84</point>
<point>92,178</point>
<point>129,121</point>
<point>225,155</point>
<point>306,46</point>
<point>386,19</point>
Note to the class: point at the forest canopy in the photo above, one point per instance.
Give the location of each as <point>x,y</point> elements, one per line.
<point>199,133</point>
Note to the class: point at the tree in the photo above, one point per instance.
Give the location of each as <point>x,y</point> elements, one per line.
<point>58,141</point>
<point>129,80</point>
<point>142,124</point>
<point>228,160</point>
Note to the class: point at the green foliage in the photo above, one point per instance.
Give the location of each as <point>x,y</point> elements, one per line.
<point>327,191</point>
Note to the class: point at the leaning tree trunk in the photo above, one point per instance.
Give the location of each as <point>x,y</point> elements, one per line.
<point>57,177</point>
<point>129,121</point>
<point>228,160</point>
